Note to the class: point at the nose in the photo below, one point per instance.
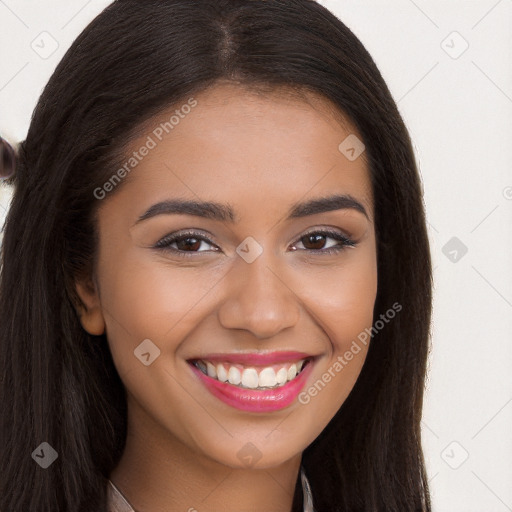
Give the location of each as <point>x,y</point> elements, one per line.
<point>259,299</point>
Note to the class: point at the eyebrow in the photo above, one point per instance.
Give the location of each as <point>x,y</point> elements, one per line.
<point>225,213</point>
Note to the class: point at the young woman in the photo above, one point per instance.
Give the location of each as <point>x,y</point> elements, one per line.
<point>215,288</point>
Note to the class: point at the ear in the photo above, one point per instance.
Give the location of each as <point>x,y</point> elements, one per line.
<point>91,315</point>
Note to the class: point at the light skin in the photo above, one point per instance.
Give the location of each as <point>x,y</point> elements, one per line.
<point>261,154</point>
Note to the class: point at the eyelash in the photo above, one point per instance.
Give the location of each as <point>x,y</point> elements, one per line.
<point>164,243</point>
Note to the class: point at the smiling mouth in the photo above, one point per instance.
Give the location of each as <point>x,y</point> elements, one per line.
<point>252,377</point>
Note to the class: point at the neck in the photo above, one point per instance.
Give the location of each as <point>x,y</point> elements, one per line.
<point>157,472</point>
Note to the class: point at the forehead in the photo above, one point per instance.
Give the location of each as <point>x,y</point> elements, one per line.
<point>248,146</point>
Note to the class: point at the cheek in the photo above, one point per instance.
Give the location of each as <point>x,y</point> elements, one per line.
<point>342,303</point>
<point>144,299</point>
<point>342,298</point>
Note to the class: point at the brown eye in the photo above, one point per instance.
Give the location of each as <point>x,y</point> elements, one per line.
<point>318,242</point>
<point>188,244</point>
<point>314,241</point>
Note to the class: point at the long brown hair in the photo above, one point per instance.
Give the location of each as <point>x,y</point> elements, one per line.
<point>59,384</point>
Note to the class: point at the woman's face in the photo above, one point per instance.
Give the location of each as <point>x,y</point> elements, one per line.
<point>252,274</point>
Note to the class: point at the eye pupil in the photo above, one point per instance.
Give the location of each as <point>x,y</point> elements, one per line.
<point>318,241</point>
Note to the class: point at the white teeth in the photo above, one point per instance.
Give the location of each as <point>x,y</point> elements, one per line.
<point>267,378</point>
<point>234,376</point>
<point>222,375</point>
<point>282,376</point>
<point>212,372</point>
<point>249,377</point>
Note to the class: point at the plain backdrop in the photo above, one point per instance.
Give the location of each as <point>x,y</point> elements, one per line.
<point>448,65</point>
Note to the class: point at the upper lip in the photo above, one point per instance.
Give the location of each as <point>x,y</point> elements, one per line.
<point>255,358</point>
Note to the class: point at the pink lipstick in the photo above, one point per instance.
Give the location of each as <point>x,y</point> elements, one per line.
<point>254,382</point>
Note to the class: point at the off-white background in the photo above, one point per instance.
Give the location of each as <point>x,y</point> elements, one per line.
<point>457,104</point>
